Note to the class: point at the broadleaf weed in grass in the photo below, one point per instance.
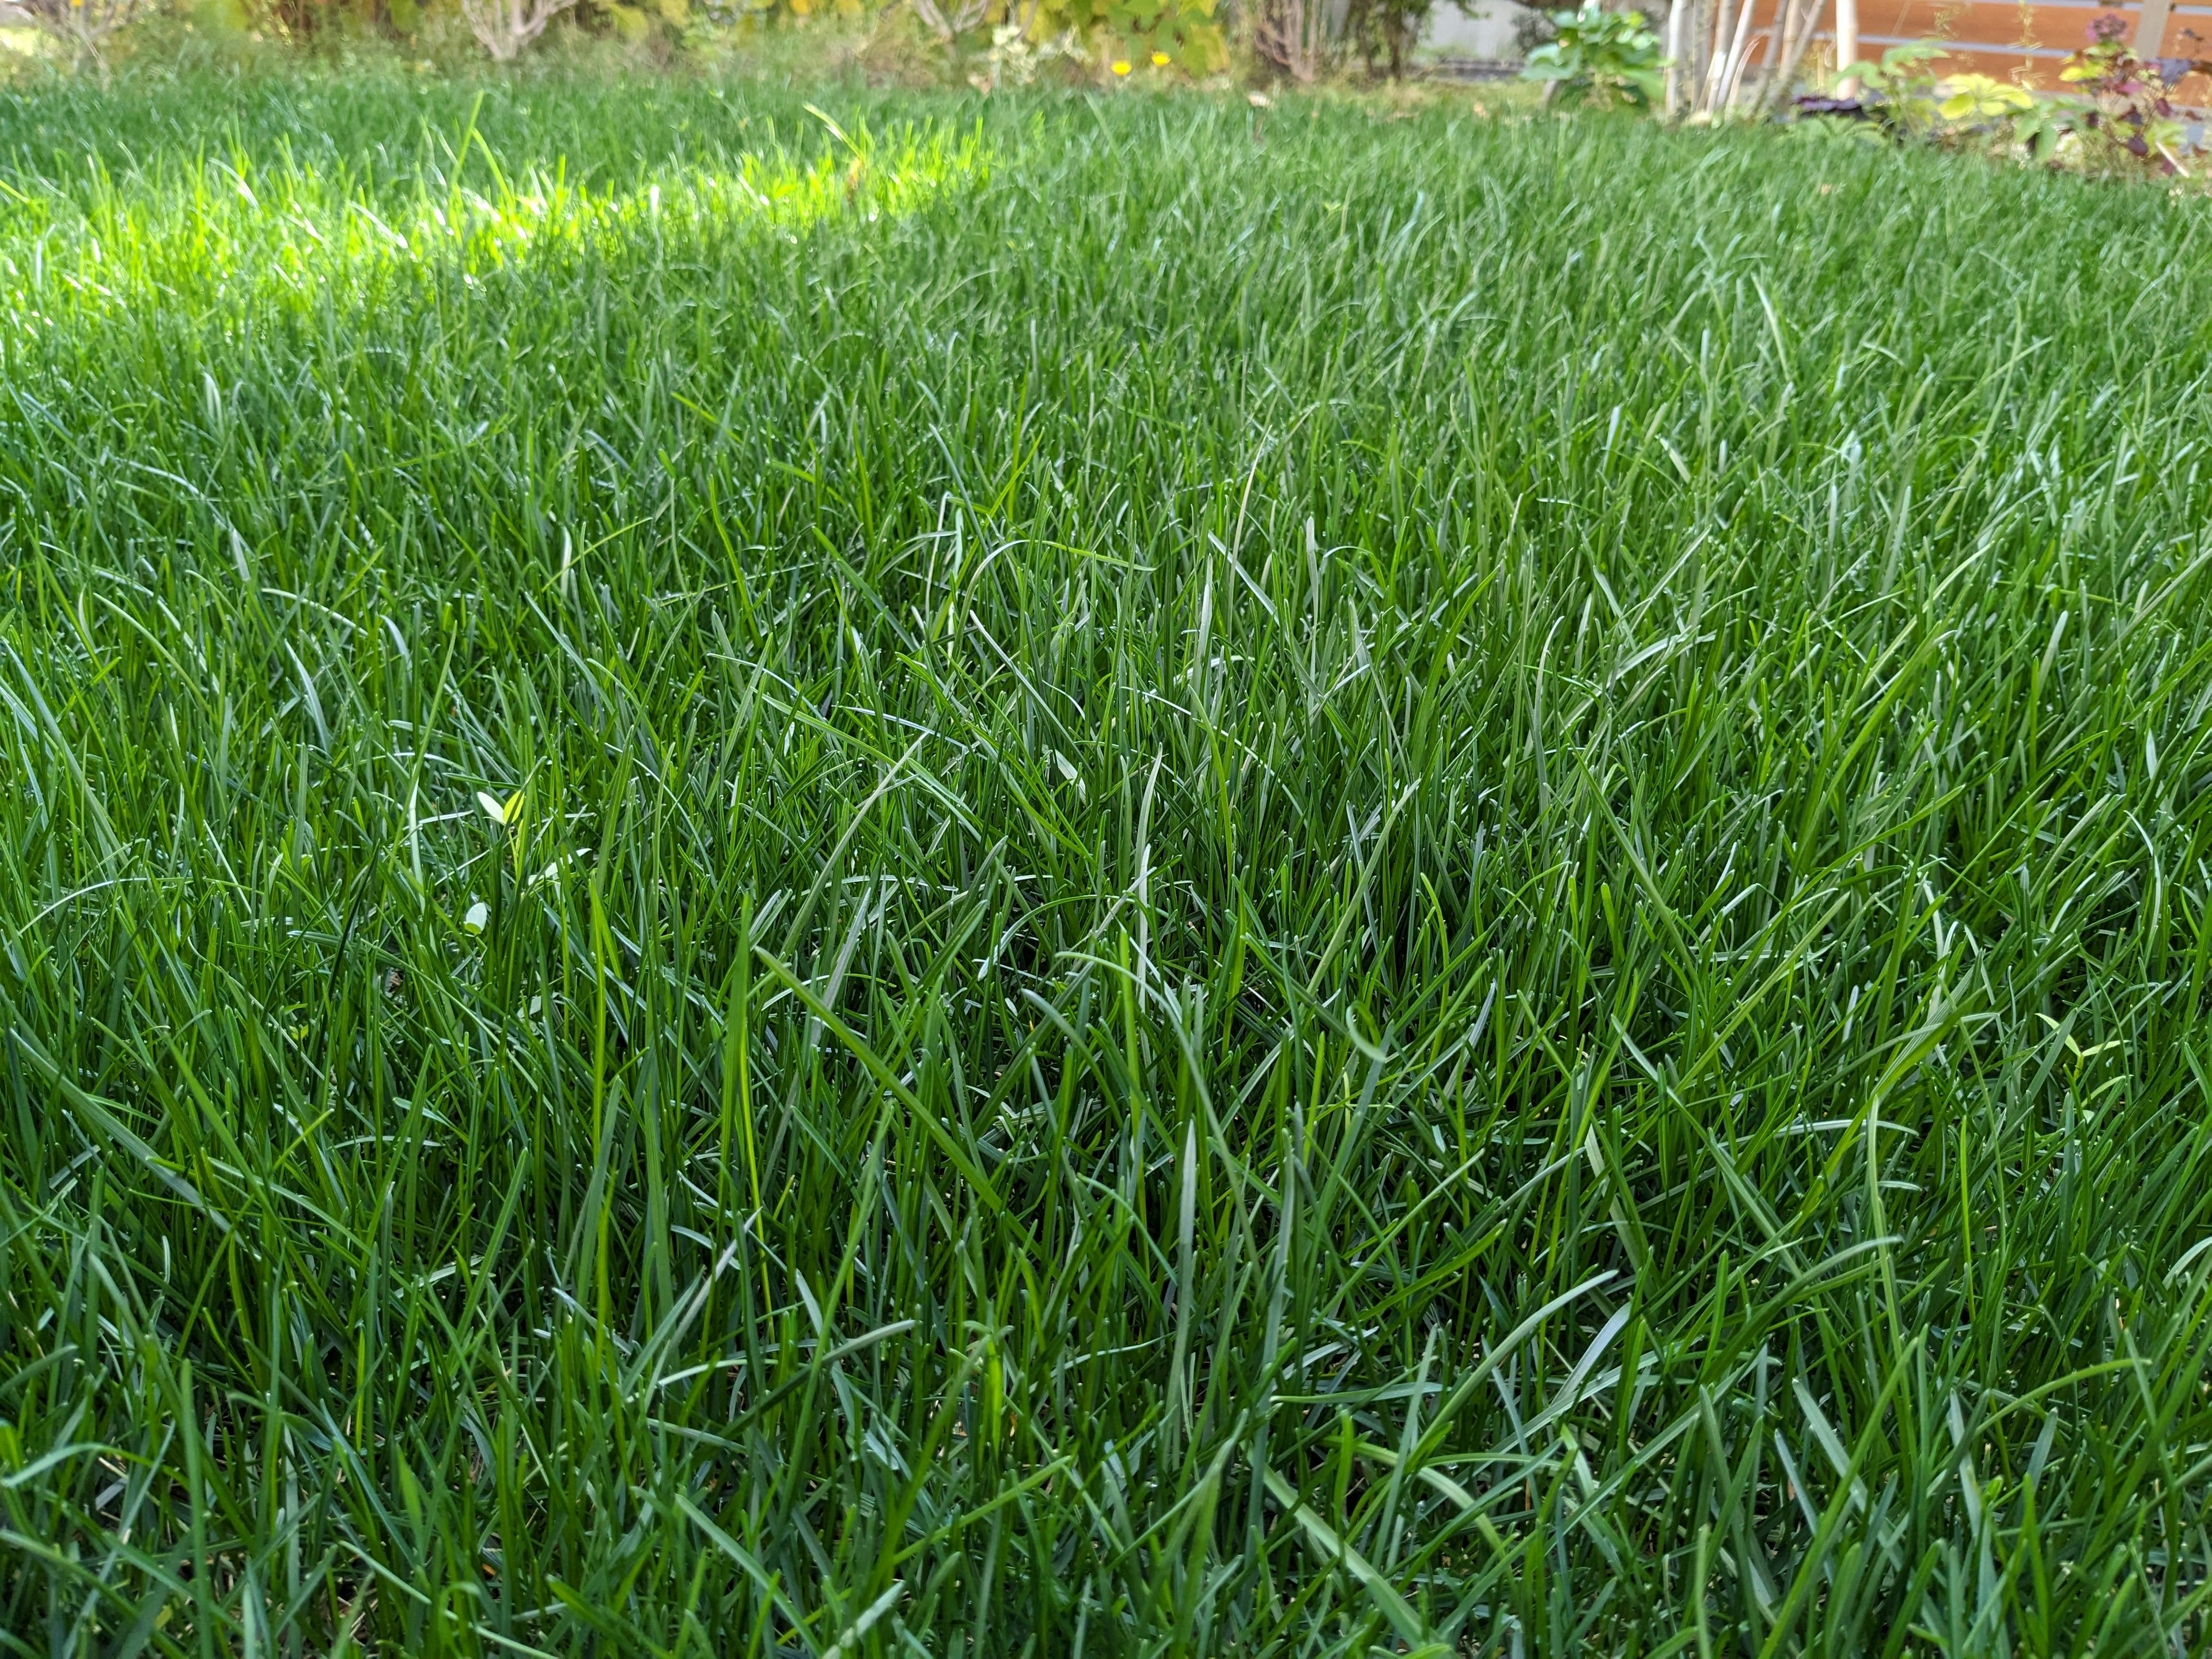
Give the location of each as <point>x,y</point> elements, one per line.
<point>1303,898</point>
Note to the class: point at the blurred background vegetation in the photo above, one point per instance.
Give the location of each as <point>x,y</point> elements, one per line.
<point>987,43</point>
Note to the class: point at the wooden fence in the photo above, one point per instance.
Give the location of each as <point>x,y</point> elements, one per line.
<point>2024,43</point>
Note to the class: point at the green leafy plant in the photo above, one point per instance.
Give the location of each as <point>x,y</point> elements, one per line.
<point>1975,98</point>
<point>2126,119</point>
<point>1979,110</point>
<point>1901,90</point>
<point>2119,117</point>
<point>1182,34</point>
<point>1184,31</point>
<point>1598,56</point>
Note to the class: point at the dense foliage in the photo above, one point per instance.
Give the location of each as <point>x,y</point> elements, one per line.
<point>1095,877</point>
<point>1600,57</point>
<point>2113,115</point>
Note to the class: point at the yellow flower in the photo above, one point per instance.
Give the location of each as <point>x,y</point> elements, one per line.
<point>1161,60</point>
<point>1120,66</point>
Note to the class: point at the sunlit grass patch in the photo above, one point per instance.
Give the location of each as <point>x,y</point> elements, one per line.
<point>216,233</point>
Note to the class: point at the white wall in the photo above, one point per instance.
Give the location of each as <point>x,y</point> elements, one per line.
<point>1487,33</point>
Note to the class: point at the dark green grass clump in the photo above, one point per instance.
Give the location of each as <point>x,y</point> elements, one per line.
<point>1098,877</point>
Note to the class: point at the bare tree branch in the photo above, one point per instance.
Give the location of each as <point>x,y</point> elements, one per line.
<point>84,26</point>
<point>949,22</point>
<point>505,26</point>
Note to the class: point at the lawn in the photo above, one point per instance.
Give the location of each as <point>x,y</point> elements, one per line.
<point>1092,875</point>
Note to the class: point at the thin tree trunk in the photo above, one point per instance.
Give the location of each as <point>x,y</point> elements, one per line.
<point>1725,61</point>
<point>1804,15</point>
<point>1709,84</point>
<point>1847,46</point>
<point>1708,50</point>
<point>1740,61</point>
<point>1674,18</point>
<point>1694,28</point>
<point>1710,45</point>
<point>1780,37</point>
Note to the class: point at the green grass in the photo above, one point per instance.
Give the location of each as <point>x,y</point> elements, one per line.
<point>1268,882</point>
